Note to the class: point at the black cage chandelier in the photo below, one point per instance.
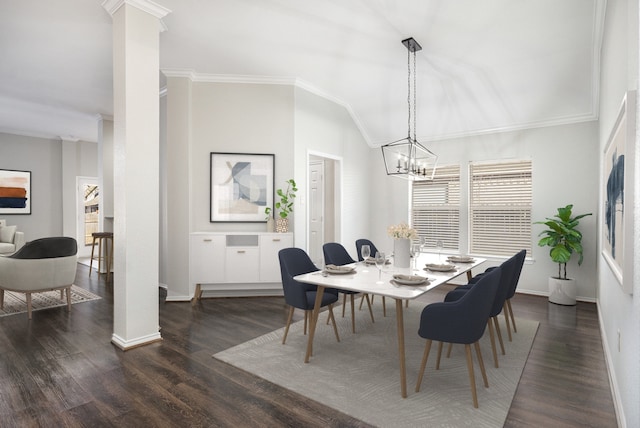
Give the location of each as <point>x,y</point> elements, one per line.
<point>407,158</point>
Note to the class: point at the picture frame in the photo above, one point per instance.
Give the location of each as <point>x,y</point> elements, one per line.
<point>618,170</point>
<point>15,192</point>
<point>241,186</point>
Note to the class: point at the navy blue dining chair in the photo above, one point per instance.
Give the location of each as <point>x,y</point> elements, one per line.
<point>336,254</point>
<point>462,321</point>
<point>374,250</point>
<point>293,262</point>
<point>508,269</point>
<point>515,278</point>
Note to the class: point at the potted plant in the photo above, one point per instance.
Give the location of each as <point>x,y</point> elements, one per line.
<point>564,239</point>
<point>285,205</point>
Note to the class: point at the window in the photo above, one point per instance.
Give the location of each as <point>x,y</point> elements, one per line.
<point>435,207</point>
<point>500,196</point>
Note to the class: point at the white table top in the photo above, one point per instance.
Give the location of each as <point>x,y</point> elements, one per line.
<point>365,278</point>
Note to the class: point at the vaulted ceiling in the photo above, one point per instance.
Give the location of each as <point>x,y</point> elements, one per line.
<point>485,66</point>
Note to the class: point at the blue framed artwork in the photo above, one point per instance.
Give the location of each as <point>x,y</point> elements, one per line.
<point>618,170</point>
<point>241,186</point>
<point>15,192</point>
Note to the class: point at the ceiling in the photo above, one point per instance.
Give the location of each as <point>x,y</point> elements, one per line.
<point>485,66</point>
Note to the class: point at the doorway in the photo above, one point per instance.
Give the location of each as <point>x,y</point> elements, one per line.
<point>88,213</point>
<point>324,204</point>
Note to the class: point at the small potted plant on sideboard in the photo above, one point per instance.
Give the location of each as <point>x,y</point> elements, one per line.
<point>284,205</point>
<point>564,239</point>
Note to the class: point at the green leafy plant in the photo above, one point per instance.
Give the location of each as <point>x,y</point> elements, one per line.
<point>563,238</point>
<point>287,197</point>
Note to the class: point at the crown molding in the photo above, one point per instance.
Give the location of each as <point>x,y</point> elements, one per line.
<point>153,9</point>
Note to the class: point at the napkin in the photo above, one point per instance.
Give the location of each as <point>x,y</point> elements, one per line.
<point>339,268</point>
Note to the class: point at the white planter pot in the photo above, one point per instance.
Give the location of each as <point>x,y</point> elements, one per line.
<point>401,254</point>
<point>563,291</point>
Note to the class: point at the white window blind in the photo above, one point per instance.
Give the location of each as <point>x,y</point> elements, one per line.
<point>435,207</point>
<point>500,197</point>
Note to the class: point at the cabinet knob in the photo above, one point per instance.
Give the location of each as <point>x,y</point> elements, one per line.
<point>207,240</point>
<point>276,239</point>
<point>241,251</point>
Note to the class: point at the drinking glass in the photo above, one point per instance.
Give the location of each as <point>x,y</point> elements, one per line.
<point>439,246</point>
<point>365,252</point>
<point>380,261</point>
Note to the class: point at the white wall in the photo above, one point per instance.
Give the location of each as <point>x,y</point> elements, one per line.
<point>620,312</point>
<point>325,128</point>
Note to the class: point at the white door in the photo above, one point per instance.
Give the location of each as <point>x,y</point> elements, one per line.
<point>316,210</point>
<point>88,209</point>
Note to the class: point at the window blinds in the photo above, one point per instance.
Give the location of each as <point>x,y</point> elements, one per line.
<point>500,198</point>
<point>435,207</point>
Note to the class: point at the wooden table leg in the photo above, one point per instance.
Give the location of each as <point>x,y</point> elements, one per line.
<point>469,275</point>
<point>314,322</point>
<point>401,355</point>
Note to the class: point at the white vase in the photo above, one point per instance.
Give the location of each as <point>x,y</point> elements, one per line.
<point>562,291</point>
<point>401,253</point>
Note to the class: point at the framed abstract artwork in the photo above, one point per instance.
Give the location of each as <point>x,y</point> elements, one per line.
<point>618,170</point>
<point>15,192</point>
<point>241,186</point>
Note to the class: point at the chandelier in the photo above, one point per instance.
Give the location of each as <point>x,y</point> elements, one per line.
<point>407,158</point>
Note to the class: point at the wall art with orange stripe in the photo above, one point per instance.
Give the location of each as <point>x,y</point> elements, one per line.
<point>15,192</point>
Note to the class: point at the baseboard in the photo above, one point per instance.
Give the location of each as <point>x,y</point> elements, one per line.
<point>615,391</point>
<point>546,294</point>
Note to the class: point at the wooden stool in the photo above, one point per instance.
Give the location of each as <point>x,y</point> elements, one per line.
<point>108,251</point>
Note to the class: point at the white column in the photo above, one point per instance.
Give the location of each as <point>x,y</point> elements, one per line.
<point>136,25</point>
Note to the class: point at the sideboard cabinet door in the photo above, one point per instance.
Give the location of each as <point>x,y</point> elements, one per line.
<point>270,244</point>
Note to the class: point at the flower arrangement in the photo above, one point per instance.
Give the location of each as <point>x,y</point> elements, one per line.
<point>402,231</point>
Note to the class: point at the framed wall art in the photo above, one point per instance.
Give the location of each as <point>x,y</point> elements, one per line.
<point>15,192</point>
<point>618,170</point>
<point>241,186</point>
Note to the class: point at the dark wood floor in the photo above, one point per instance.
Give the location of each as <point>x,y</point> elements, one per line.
<point>61,370</point>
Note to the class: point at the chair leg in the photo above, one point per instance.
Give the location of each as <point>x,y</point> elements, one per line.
<point>93,247</point>
<point>306,320</point>
<point>449,350</point>
<point>366,296</point>
<point>289,318</point>
<point>440,345</point>
<point>1,298</point>
<point>505,311</point>
<point>513,320</point>
<point>481,364</point>
<point>362,301</point>
<point>353,314</point>
<point>493,342</point>
<point>423,364</point>
<point>344,303</point>
<point>472,377</point>
<point>333,320</point>
<point>68,290</point>
<point>384,307</point>
<point>497,324</point>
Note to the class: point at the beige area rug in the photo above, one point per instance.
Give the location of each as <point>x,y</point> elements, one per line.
<point>16,303</point>
<point>360,375</point>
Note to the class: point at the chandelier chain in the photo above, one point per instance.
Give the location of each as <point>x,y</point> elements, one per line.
<point>409,93</point>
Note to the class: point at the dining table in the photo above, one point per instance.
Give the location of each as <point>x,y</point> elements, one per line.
<point>390,281</point>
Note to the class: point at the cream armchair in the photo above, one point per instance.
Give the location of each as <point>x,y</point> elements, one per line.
<point>10,239</point>
<point>40,265</point>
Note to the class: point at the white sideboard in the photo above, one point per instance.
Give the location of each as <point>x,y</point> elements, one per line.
<point>231,264</point>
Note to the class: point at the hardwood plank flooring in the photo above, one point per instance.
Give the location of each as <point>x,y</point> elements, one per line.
<point>60,369</point>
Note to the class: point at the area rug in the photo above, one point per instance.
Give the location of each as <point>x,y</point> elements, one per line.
<point>359,375</point>
<point>16,303</point>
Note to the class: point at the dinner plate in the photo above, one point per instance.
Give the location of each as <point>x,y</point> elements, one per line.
<point>372,261</point>
<point>440,268</point>
<point>339,269</point>
<point>461,259</point>
<point>410,279</point>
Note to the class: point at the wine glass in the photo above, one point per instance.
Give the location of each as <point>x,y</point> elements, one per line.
<point>380,261</point>
<point>439,246</point>
<point>423,243</point>
<point>365,252</point>
<point>415,252</point>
